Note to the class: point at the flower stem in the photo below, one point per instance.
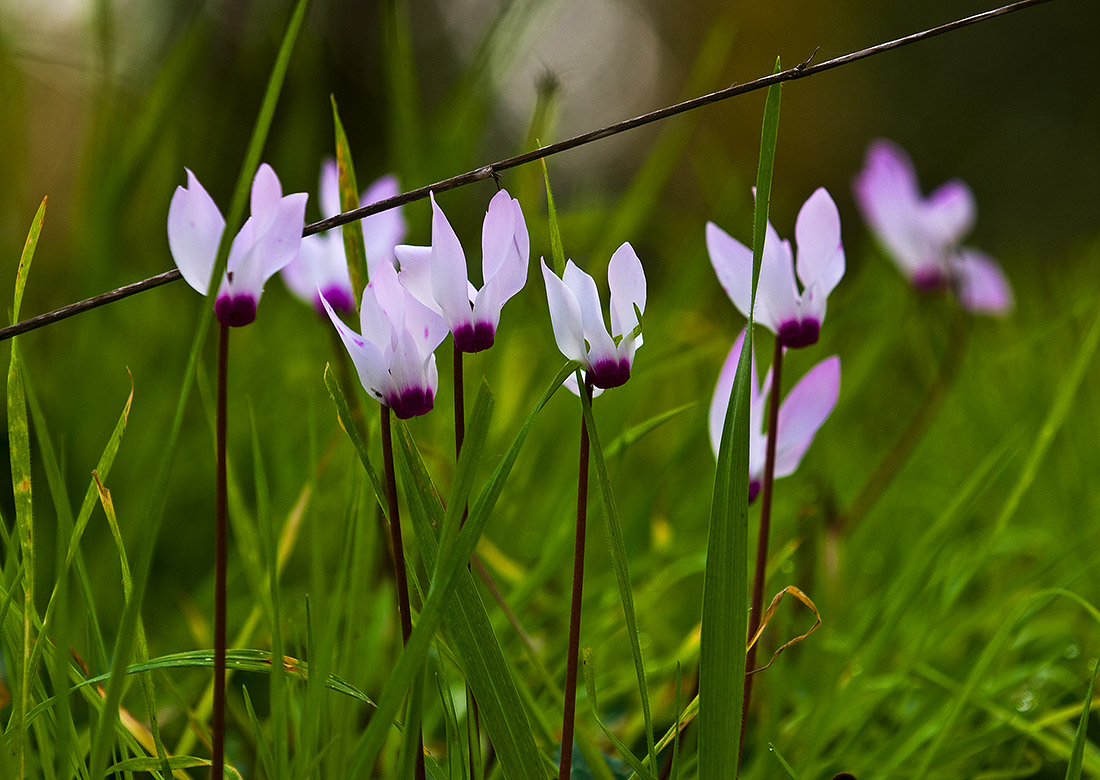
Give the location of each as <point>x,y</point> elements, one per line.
<point>217,761</point>
<point>570,704</point>
<point>473,721</point>
<point>398,551</point>
<point>765,529</point>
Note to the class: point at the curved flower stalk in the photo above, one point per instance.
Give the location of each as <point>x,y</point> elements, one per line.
<point>577,317</point>
<point>922,234</point>
<point>803,412</point>
<point>438,278</point>
<point>322,262</point>
<point>268,240</point>
<point>395,354</point>
<point>794,317</point>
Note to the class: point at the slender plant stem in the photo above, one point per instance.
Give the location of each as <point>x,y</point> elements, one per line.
<point>473,724</point>
<point>398,550</point>
<point>802,70</point>
<point>217,763</point>
<point>765,530</point>
<point>573,652</point>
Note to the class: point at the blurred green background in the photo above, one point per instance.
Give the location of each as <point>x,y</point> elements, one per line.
<point>102,104</point>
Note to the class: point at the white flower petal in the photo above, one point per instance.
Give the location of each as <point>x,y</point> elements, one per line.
<point>449,275</point>
<point>195,228</point>
<point>626,279</point>
<point>600,346</point>
<point>565,316</point>
<point>817,234</point>
<point>777,299</point>
<point>804,411</point>
<point>732,262</point>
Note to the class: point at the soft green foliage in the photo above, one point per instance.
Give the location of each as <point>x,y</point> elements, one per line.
<point>960,626</point>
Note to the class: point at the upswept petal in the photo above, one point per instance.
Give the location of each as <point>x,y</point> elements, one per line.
<point>506,250</point>
<point>600,345</point>
<point>732,262</point>
<point>817,234</point>
<point>804,411</point>
<point>949,213</point>
<point>368,357</point>
<point>328,190</point>
<point>498,235</point>
<point>719,402</point>
<point>195,228</point>
<point>449,276</point>
<point>266,194</point>
<point>887,193</point>
<point>982,285</point>
<point>565,316</point>
<point>626,279</point>
<point>386,229</point>
<point>777,297</point>
<point>416,273</point>
<point>279,245</point>
<point>391,296</point>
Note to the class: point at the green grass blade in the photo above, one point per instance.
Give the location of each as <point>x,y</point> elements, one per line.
<point>347,423</point>
<point>635,432</point>
<point>556,247</point>
<point>354,248</point>
<point>617,547</point>
<point>447,571</point>
<point>783,762</point>
<point>406,126</point>
<point>640,769</point>
<point>725,580</point>
<point>1073,772</point>
<point>101,738</point>
<point>19,454</point>
<point>470,631</point>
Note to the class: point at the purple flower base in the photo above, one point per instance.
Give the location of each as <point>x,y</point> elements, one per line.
<point>929,279</point>
<point>474,338</point>
<point>609,373</point>
<point>412,402</point>
<point>338,298</point>
<point>235,310</point>
<point>754,489</point>
<point>799,333</point>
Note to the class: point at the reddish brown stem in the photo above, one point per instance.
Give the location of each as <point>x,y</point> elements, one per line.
<point>573,652</point>
<point>217,759</point>
<point>762,539</point>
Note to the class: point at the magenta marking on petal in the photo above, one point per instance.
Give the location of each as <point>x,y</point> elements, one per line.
<point>474,338</point>
<point>412,402</point>
<point>609,373</point>
<point>929,279</point>
<point>235,311</point>
<point>799,333</point>
<point>754,489</point>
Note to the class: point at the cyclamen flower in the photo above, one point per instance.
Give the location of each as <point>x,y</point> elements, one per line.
<point>795,318</point>
<point>801,414</point>
<point>395,354</point>
<point>322,262</point>
<point>267,241</point>
<point>577,317</point>
<point>922,234</point>
<point>437,275</point>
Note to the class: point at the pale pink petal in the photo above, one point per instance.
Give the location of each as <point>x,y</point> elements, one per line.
<point>565,316</point>
<point>506,251</point>
<point>416,273</point>
<point>626,279</point>
<point>887,193</point>
<point>803,412</point>
<point>949,213</point>
<point>195,228</point>
<point>817,233</point>
<point>329,189</point>
<point>266,194</point>
<point>368,357</point>
<point>777,298</point>
<point>982,285</point>
<point>386,229</point>
<point>570,384</point>
<point>601,348</point>
<point>732,263</point>
<point>449,275</point>
<point>280,243</point>
<point>719,402</point>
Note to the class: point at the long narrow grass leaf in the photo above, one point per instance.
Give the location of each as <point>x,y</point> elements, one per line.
<point>1073,772</point>
<point>725,579</point>
<point>557,249</point>
<point>588,666</point>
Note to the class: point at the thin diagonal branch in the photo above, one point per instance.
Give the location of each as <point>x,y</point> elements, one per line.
<point>802,70</point>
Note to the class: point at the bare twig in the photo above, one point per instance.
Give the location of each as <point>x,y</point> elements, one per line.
<point>493,170</point>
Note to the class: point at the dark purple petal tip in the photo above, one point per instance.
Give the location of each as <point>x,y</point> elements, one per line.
<point>754,489</point>
<point>474,338</point>
<point>234,311</point>
<point>799,333</point>
<point>609,373</point>
<point>412,402</point>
